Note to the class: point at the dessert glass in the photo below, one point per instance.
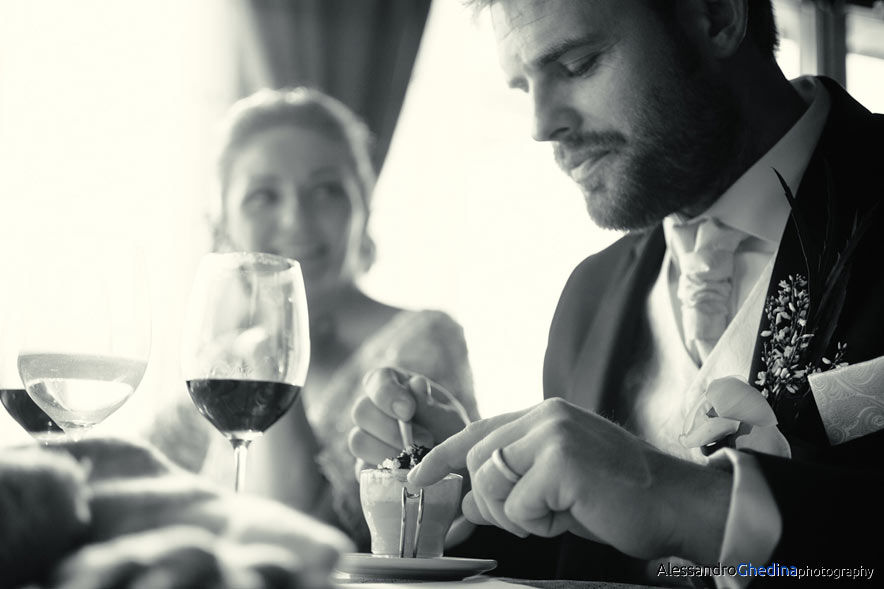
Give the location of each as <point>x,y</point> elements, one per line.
<point>380,492</point>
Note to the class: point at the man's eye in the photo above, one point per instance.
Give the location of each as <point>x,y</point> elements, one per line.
<point>580,67</point>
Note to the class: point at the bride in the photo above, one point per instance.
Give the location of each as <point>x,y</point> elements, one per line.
<point>296,179</point>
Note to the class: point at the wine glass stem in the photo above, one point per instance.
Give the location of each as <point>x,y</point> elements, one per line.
<point>240,452</point>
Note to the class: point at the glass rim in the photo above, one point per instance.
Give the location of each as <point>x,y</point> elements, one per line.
<point>275,262</point>
<point>394,471</point>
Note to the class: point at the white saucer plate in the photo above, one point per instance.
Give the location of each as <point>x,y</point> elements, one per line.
<point>445,568</point>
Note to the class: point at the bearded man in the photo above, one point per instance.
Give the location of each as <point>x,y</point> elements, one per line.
<point>714,380</point>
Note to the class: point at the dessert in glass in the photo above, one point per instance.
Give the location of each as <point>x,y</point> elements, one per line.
<point>406,521</point>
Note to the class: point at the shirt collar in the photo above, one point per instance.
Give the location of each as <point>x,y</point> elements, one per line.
<point>755,203</point>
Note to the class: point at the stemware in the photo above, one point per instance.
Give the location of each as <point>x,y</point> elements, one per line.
<point>86,331</point>
<point>13,395</point>
<point>246,344</point>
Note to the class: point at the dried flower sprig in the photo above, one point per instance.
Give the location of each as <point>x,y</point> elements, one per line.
<point>786,341</point>
<point>803,315</point>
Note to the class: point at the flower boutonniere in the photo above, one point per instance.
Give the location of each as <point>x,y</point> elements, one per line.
<point>802,316</point>
<point>787,339</point>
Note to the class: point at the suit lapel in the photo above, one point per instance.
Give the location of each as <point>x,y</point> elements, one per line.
<point>608,349</point>
<point>814,205</point>
<point>790,261</point>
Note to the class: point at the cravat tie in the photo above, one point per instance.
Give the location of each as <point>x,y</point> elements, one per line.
<point>705,255</point>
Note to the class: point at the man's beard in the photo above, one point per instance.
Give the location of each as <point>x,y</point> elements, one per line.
<point>685,152</point>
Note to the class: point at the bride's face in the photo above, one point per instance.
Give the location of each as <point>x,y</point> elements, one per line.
<point>294,192</point>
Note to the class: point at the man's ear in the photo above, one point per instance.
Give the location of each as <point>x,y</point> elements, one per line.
<point>717,26</point>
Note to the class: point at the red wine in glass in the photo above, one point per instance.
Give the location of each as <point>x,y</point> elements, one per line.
<point>28,414</point>
<point>242,409</point>
<point>246,344</point>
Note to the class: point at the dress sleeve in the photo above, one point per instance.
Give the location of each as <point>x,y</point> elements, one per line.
<point>438,350</point>
<point>427,342</point>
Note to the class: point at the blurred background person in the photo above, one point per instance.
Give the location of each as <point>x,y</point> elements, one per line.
<point>295,178</point>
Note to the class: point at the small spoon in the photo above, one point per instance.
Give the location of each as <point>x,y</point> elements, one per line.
<point>405,433</point>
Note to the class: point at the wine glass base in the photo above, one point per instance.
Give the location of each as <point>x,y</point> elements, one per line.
<point>75,433</point>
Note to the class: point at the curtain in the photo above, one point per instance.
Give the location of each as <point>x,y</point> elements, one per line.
<point>359,51</point>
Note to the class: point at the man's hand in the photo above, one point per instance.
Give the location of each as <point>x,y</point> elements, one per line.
<point>392,394</point>
<point>582,474</point>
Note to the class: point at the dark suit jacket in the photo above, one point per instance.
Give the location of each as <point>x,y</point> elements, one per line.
<point>828,496</point>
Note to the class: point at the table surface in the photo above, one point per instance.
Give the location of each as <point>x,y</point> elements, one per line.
<point>484,582</point>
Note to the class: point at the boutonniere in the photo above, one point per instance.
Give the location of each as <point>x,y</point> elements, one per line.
<point>787,339</point>
<point>802,316</point>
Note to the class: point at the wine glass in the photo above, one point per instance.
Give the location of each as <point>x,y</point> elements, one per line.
<point>13,395</point>
<point>246,344</point>
<point>86,335</point>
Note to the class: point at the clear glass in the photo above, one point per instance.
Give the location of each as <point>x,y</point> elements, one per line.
<point>246,344</point>
<point>13,396</point>
<point>381,496</point>
<point>86,330</point>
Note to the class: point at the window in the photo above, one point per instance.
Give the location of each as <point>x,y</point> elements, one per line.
<point>844,40</point>
<point>472,216</point>
<point>788,19</point>
<point>865,56</point>
<point>105,116</point>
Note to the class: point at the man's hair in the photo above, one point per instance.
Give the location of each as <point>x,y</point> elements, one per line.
<point>761,28</point>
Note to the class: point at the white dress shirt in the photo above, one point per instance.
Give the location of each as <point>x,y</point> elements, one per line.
<point>670,381</point>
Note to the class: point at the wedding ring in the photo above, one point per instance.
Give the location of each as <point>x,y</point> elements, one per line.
<point>504,468</point>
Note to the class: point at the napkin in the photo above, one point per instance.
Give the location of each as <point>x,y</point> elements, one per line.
<point>850,399</point>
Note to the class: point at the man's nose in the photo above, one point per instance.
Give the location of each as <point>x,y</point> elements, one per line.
<point>554,114</point>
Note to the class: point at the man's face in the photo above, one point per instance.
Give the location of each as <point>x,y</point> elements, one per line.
<point>635,115</point>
